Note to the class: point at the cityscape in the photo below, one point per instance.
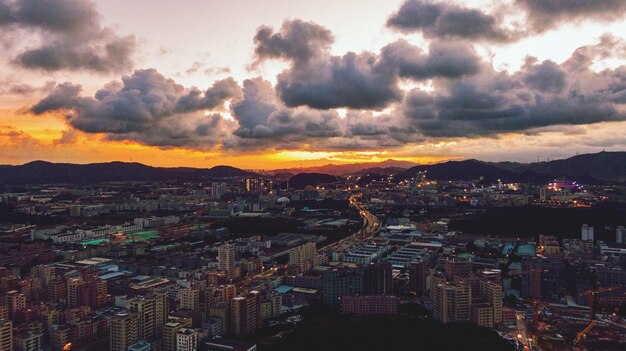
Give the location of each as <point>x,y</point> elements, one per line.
<point>333,175</point>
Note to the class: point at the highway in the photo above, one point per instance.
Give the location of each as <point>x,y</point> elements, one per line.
<point>371,224</point>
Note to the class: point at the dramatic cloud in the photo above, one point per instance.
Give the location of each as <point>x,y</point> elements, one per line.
<point>297,40</point>
<point>148,108</point>
<point>264,121</point>
<point>362,81</point>
<point>541,94</point>
<point>460,96</point>
<point>441,20</point>
<point>444,59</point>
<point>546,14</point>
<point>437,19</point>
<point>70,34</point>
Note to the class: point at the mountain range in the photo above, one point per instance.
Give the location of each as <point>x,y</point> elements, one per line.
<point>384,167</point>
<point>598,168</point>
<point>40,172</point>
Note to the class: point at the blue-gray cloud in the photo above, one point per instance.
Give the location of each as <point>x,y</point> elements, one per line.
<point>70,33</point>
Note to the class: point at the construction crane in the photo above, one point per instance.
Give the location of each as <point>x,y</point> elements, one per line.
<point>591,296</point>
<point>579,341</point>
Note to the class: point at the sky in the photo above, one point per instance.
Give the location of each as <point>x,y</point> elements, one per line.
<point>285,83</point>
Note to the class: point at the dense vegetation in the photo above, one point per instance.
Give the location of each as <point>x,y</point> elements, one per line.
<point>526,221</point>
<point>325,329</point>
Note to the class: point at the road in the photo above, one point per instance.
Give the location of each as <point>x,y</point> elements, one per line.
<point>371,224</point>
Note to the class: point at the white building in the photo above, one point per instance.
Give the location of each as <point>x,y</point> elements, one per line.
<point>187,340</point>
<point>586,232</point>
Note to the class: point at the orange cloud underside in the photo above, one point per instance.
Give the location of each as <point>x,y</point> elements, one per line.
<point>27,139</point>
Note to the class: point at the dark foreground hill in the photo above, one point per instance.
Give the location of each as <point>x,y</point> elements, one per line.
<point>603,167</point>
<point>40,172</point>
<point>301,180</point>
<point>473,170</point>
<point>610,166</point>
<point>334,332</point>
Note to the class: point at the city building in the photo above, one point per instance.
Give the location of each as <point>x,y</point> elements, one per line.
<point>6,335</point>
<point>452,302</point>
<point>170,332</point>
<point>377,279</point>
<point>339,282</point>
<point>246,313</point>
<point>586,232</point>
<point>226,259</point>
<point>187,340</point>
<point>123,331</point>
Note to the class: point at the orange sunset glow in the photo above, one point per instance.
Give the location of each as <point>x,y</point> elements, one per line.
<point>283,84</point>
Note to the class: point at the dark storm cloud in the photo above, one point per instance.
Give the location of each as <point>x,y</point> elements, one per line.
<point>263,118</point>
<point>71,35</point>
<point>546,14</point>
<point>365,80</point>
<point>212,98</point>
<point>148,108</point>
<point>297,40</point>
<point>441,20</point>
<point>444,59</point>
<point>546,77</point>
<point>541,94</point>
<point>352,80</point>
<point>437,19</point>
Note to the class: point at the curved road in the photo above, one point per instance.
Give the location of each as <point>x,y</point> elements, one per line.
<point>370,226</point>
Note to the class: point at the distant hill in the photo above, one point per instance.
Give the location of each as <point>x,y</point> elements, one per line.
<point>597,168</point>
<point>40,172</point>
<point>610,166</point>
<point>301,180</point>
<point>349,169</point>
<point>472,170</point>
<point>380,170</point>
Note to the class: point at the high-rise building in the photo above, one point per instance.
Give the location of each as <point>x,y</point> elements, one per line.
<point>452,302</point>
<point>170,330</point>
<point>341,282</point>
<point>187,340</point>
<point>417,278</point>
<point>620,233</point>
<point>586,232</point>
<point>218,189</point>
<point>189,298</point>
<point>92,294</point>
<point>145,308</point>
<point>492,292</point>
<point>28,341</point>
<point>377,279</point>
<point>123,331</point>
<point>457,268</point>
<point>254,185</point>
<point>482,314</point>
<point>57,290</point>
<point>15,301</point>
<point>226,259</point>
<point>161,310</point>
<point>303,256</point>
<point>60,335</point>
<point>246,313</point>
<point>222,312</point>
<point>6,335</point>
<point>72,291</point>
